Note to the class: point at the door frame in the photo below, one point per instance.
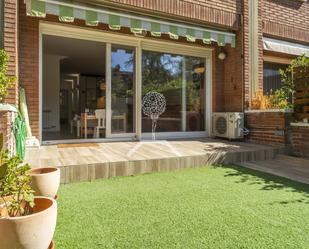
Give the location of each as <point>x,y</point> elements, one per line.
<point>107,37</point>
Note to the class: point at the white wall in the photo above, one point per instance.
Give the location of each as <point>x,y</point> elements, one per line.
<point>51,89</point>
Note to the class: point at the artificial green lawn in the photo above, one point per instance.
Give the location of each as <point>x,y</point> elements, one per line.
<point>210,207</point>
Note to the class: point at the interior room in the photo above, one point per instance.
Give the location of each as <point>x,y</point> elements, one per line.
<point>73,89</point>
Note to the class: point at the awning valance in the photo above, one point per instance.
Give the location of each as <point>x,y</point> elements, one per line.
<point>93,15</point>
<point>285,47</point>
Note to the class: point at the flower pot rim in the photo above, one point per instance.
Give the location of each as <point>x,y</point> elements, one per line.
<point>54,202</point>
<point>51,245</point>
<point>38,174</point>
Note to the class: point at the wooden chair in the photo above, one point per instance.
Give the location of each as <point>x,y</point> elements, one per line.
<point>100,115</point>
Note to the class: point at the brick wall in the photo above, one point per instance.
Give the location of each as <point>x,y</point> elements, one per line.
<point>233,77</point>
<point>268,127</point>
<point>29,64</point>
<point>218,99</point>
<point>10,46</point>
<point>286,18</point>
<point>245,35</point>
<point>300,140</point>
<point>217,12</point>
<point>246,63</point>
<point>10,43</point>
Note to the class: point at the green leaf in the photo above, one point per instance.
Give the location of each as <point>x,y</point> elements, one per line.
<point>3,169</point>
<point>1,141</point>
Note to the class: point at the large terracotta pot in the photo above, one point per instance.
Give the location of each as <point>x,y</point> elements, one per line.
<point>45,181</point>
<point>33,231</point>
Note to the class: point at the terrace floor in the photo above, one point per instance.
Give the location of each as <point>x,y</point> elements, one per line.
<point>294,168</point>
<point>89,161</point>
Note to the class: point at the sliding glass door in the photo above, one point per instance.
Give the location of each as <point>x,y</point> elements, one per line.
<point>181,79</point>
<point>122,89</point>
<point>100,88</point>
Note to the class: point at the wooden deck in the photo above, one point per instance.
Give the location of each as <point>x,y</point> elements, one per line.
<point>293,168</point>
<point>86,162</point>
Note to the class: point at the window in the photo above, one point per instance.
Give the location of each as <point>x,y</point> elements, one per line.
<point>271,77</point>
<point>181,79</point>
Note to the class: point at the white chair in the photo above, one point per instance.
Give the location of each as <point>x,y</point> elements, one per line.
<point>100,115</point>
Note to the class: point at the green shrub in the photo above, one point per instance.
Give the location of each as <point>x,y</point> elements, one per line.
<point>5,80</point>
<point>282,96</point>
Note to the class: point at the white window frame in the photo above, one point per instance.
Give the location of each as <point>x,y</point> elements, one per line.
<point>64,30</point>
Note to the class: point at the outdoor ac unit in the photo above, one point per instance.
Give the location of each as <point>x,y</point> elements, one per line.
<point>228,124</point>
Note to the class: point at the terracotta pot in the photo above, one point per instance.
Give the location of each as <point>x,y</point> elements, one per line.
<point>52,245</point>
<point>45,181</point>
<point>33,231</point>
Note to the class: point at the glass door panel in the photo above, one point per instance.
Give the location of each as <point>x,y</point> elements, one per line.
<point>181,79</point>
<point>122,89</point>
<point>194,94</point>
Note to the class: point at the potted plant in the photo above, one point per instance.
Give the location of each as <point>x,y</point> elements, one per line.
<point>26,222</point>
<point>45,181</point>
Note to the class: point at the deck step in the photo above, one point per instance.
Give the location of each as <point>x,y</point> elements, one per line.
<point>107,160</point>
<point>90,172</point>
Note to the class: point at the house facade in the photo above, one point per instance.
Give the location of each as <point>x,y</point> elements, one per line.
<point>84,61</point>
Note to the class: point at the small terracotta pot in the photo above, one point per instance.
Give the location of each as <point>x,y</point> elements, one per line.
<point>45,181</point>
<point>34,231</point>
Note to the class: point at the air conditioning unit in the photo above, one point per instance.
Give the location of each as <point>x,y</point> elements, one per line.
<point>228,124</point>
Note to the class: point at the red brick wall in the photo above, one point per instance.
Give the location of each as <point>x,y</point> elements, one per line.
<point>10,46</point>
<point>260,47</point>
<point>245,33</point>
<point>300,141</point>
<point>215,12</point>
<point>233,77</point>
<point>286,18</point>
<point>29,64</point>
<point>268,127</point>
<point>10,43</point>
<point>178,6</point>
<point>218,99</point>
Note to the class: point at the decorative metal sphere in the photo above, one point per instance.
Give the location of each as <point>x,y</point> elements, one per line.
<point>153,104</point>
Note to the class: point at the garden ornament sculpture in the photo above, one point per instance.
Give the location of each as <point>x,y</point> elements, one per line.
<point>153,106</point>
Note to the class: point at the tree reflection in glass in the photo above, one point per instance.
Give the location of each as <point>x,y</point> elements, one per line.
<point>181,80</point>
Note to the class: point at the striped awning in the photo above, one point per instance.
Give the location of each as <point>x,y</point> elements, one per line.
<point>93,15</point>
<point>285,47</point>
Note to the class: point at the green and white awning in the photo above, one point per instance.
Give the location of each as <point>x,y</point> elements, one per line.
<point>69,10</point>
